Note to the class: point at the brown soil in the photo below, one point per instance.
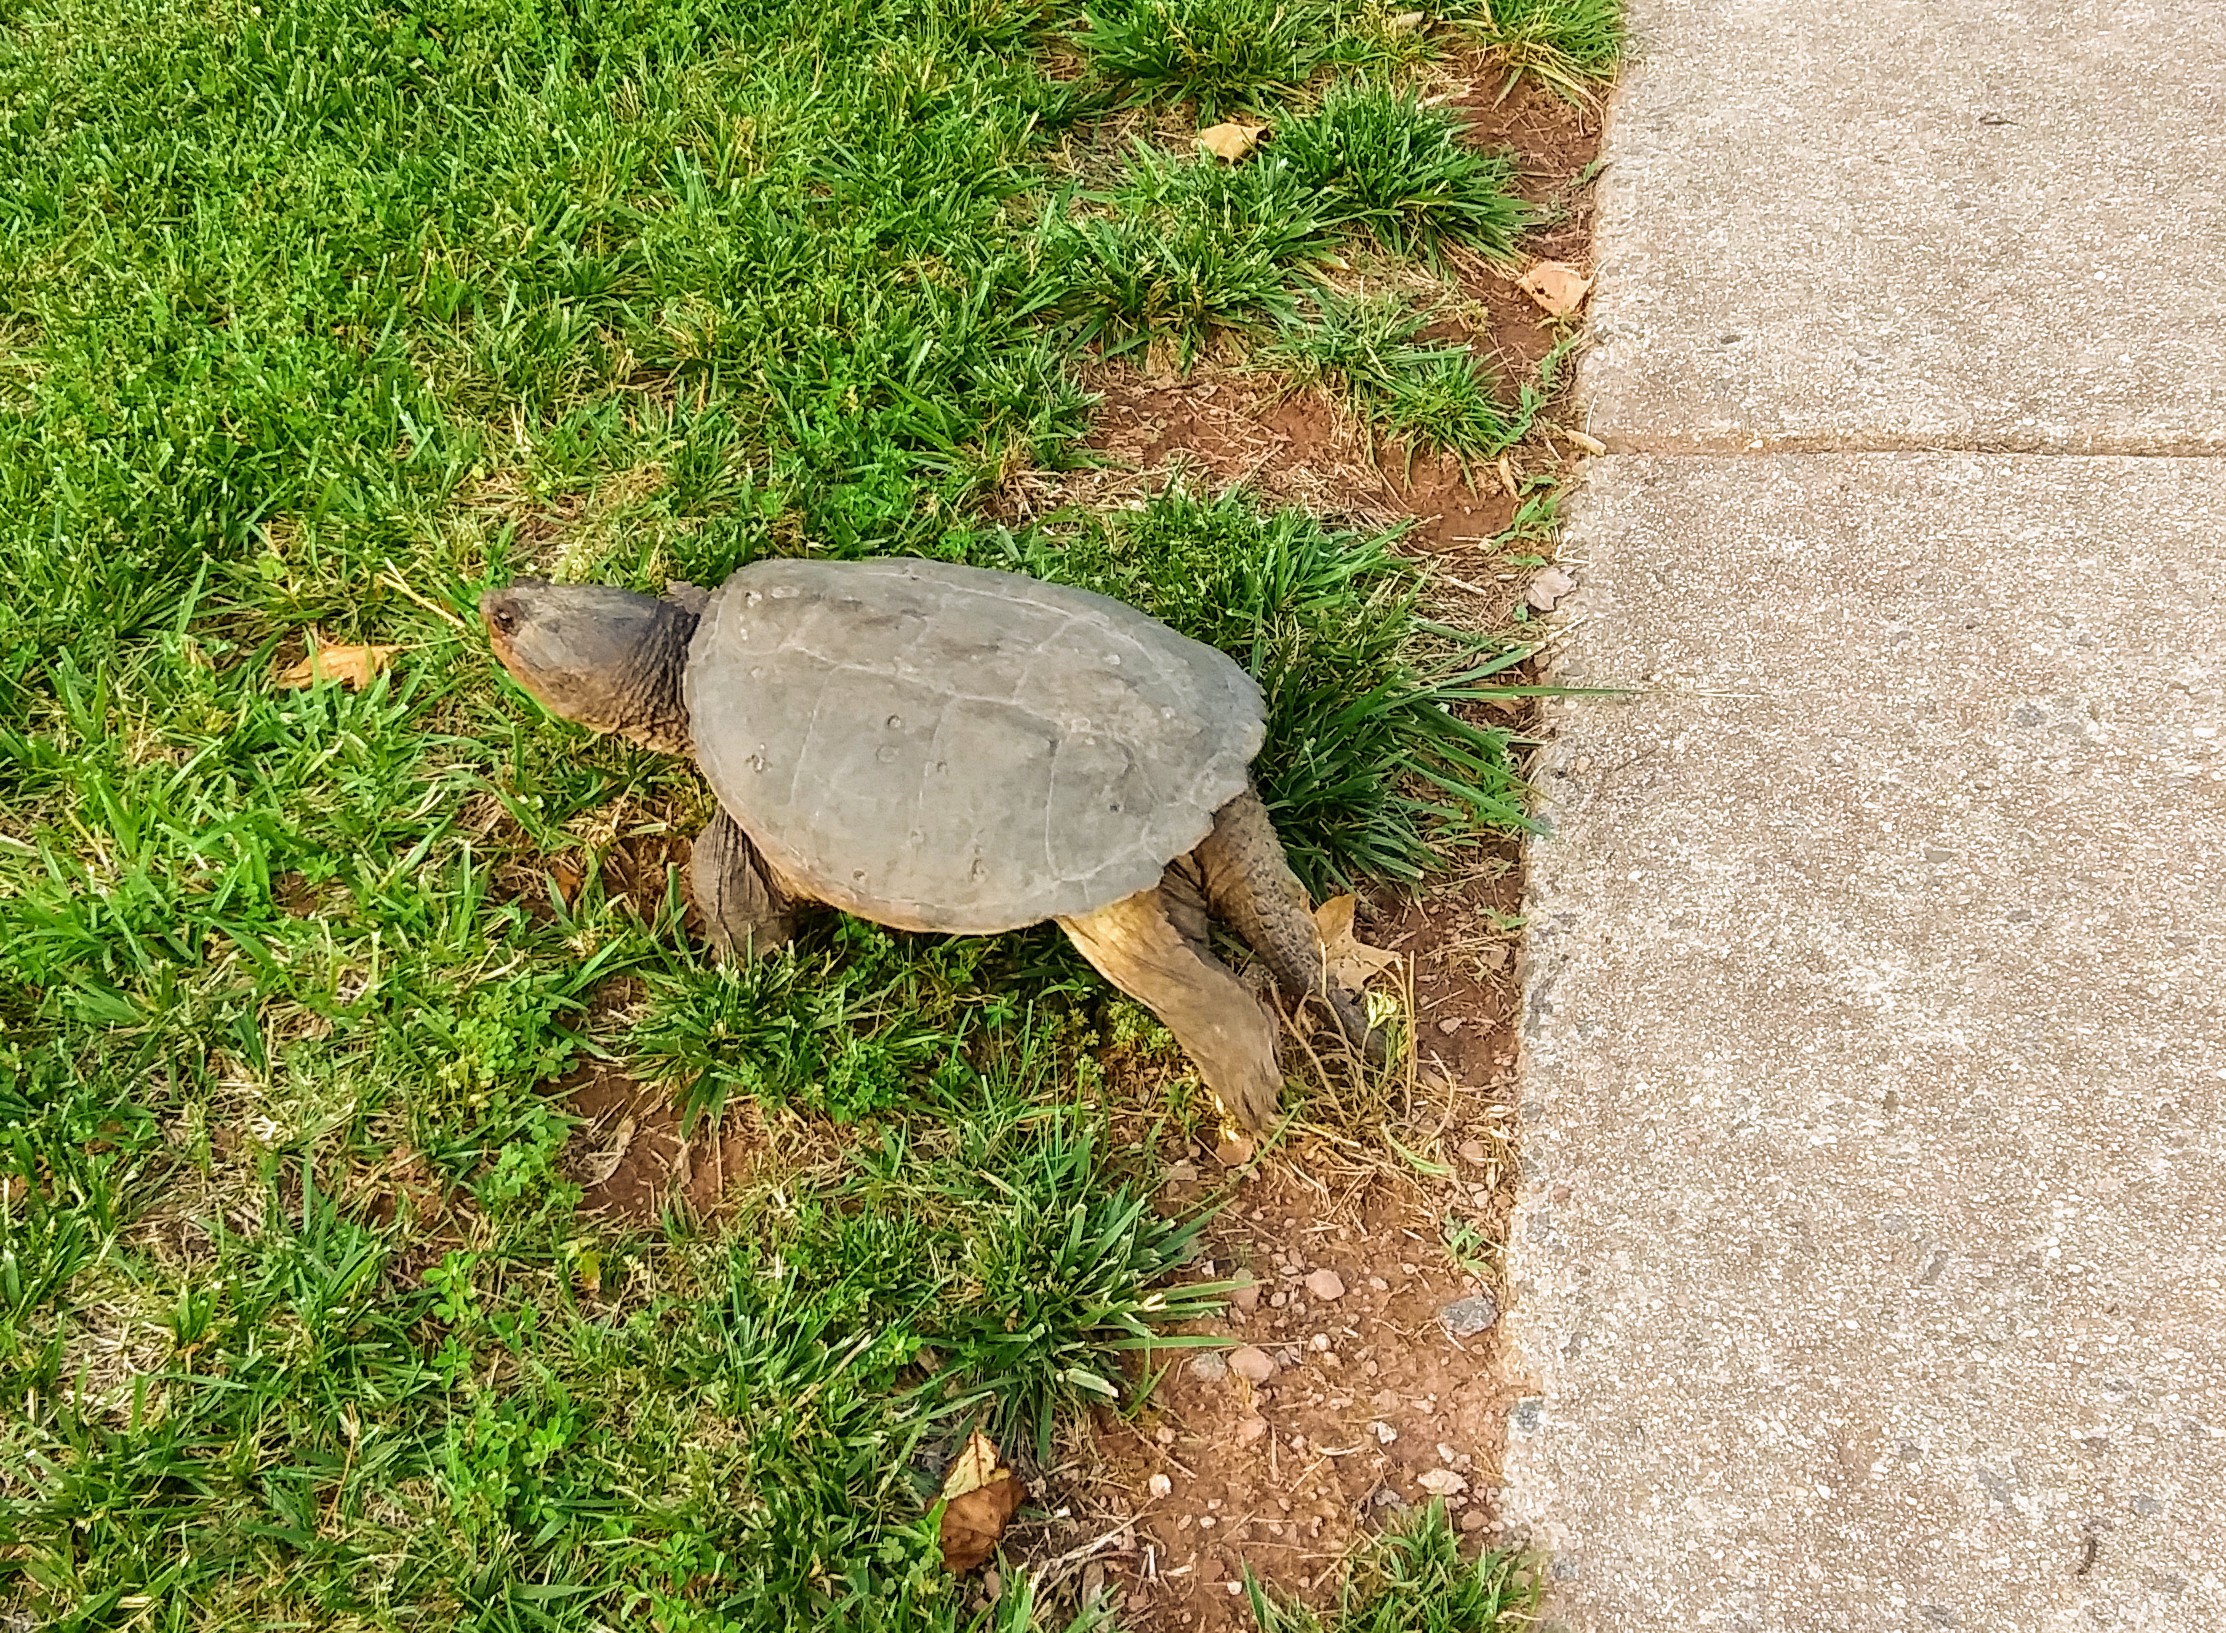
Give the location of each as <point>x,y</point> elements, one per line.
<point>628,1156</point>
<point>1370,1392</point>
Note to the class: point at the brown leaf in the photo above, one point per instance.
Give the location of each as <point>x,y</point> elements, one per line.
<point>1234,1150</point>
<point>980,1494</point>
<point>352,666</point>
<point>568,875</point>
<point>1555,285</point>
<point>1549,587</point>
<point>1351,962</point>
<point>1442,1483</point>
<point>1231,140</point>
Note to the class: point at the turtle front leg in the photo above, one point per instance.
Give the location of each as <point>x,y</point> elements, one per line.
<point>744,911</point>
<point>1226,1032</point>
<point>1250,887</point>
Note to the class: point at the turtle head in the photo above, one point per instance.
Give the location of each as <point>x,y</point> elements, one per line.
<point>605,658</point>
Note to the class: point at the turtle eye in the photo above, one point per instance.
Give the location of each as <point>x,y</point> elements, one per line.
<point>503,619</point>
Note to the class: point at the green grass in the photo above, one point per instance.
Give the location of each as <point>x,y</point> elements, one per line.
<point>1413,1580</point>
<point>1379,161</point>
<point>1364,353</point>
<point>1220,54</point>
<point>317,315</point>
<point>1571,46</point>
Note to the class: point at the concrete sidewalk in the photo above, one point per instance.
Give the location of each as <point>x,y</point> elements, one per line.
<point>1872,1258</point>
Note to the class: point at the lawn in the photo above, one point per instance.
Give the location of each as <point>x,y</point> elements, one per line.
<point>317,317</point>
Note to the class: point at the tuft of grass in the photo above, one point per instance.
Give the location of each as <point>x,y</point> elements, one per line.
<point>1369,765</point>
<point>851,1020</point>
<point>1184,248</point>
<point>1220,54</point>
<point>1362,350</point>
<point>1381,162</point>
<point>1571,46</point>
<point>1058,1281</point>
<point>1414,1580</point>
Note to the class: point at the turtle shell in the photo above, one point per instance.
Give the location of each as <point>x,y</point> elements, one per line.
<point>945,748</point>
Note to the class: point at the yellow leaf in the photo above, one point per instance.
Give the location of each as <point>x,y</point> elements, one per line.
<point>980,1494</point>
<point>977,1464</point>
<point>352,666</point>
<point>1231,140</point>
<point>1351,961</point>
<point>1555,285</point>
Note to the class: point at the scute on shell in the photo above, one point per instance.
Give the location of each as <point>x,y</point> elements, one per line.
<point>947,748</point>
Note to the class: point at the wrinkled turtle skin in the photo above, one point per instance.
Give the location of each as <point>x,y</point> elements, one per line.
<point>939,747</point>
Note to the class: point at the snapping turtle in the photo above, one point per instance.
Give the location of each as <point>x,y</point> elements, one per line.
<point>945,748</point>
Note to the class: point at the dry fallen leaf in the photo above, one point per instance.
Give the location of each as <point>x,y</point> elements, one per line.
<point>352,666</point>
<point>1555,285</point>
<point>1442,1483</point>
<point>1351,961</point>
<point>1234,1150</point>
<point>1549,587</point>
<point>1231,140</point>
<point>605,1162</point>
<point>1585,440</point>
<point>979,1495</point>
<point>1407,20</point>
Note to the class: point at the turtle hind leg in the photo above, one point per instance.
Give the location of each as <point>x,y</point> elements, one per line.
<point>1251,888</point>
<point>1226,1032</point>
<point>744,911</point>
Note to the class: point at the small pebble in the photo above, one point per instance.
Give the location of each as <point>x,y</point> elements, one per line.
<point>1159,1485</point>
<point>1450,1025</point>
<point>1164,1435</point>
<point>1250,1429</point>
<point>1319,1343</point>
<point>1206,1522</point>
<point>1475,1520</point>
<point>1379,1284</point>
<point>1210,1365</point>
<point>1252,1364</point>
<point>1183,1173</point>
<point>1476,1152</point>
<point>1247,1295</point>
<point>1466,1317</point>
<point>1325,1285</point>
<point>1384,1432</point>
